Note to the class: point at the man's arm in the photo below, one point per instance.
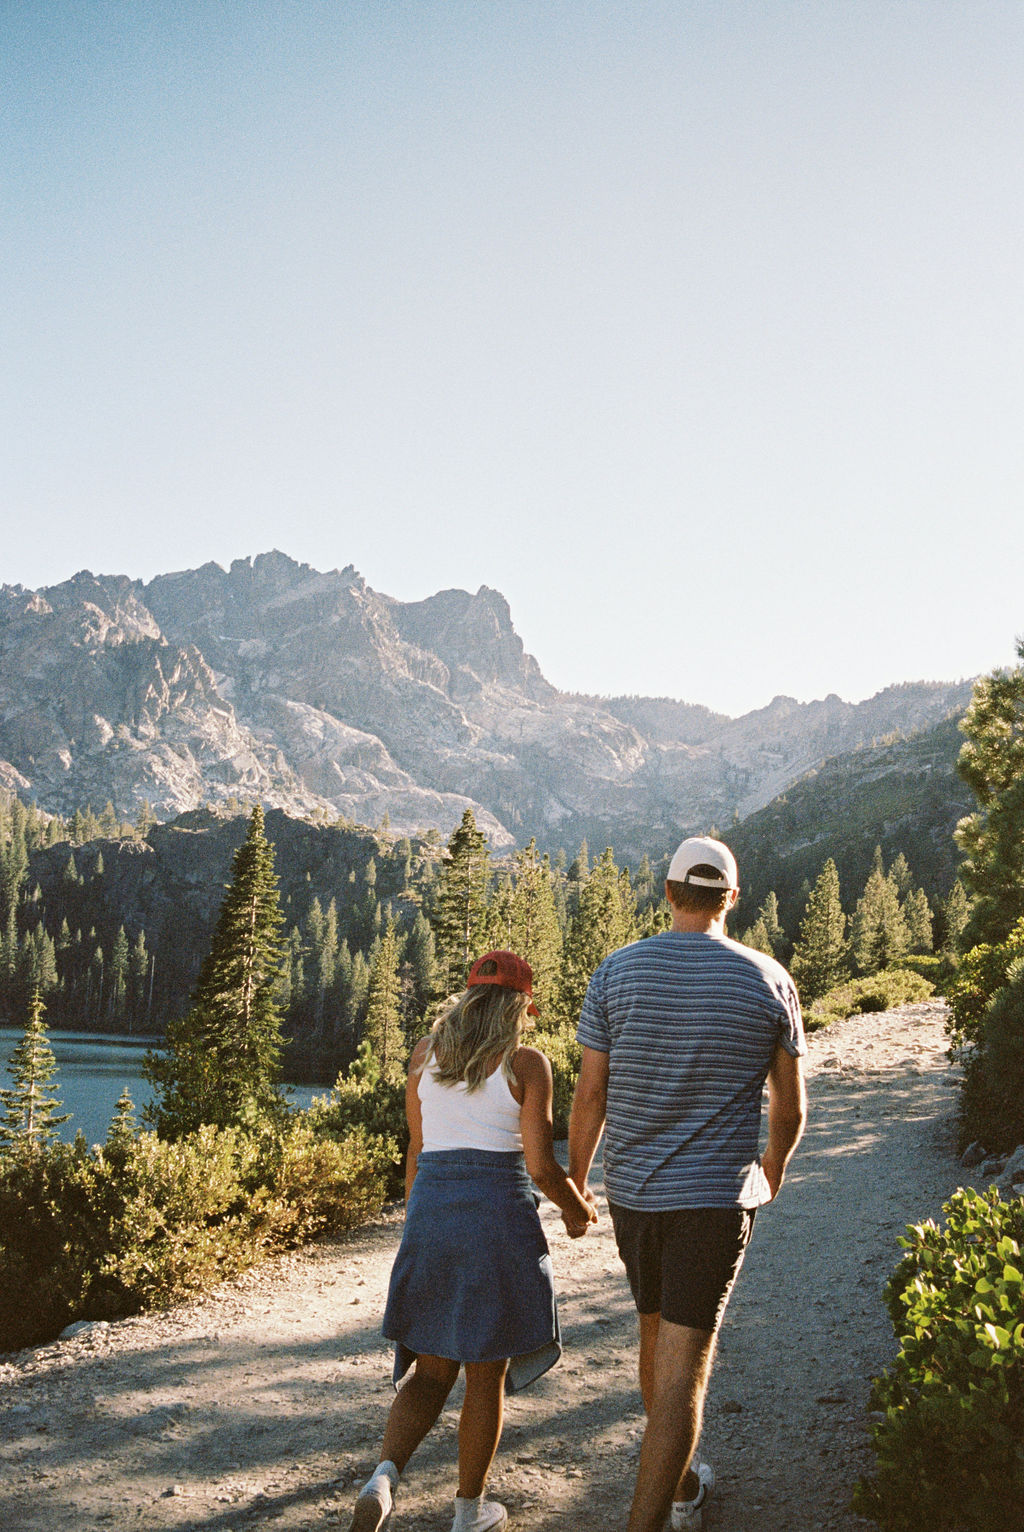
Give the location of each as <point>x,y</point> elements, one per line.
<point>586,1122</point>
<point>787,1115</point>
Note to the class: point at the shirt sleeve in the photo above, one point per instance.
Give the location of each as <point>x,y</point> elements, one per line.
<point>592,1031</point>
<point>791,1024</point>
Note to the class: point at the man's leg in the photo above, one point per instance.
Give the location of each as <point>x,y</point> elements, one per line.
<point>688,1486</point>
<point>675,1365</point>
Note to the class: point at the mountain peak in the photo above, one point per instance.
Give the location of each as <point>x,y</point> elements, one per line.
<point>313,692</point>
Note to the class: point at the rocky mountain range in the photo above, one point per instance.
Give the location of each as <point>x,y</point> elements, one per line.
<point>321,696</point>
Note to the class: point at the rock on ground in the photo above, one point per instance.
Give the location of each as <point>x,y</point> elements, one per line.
<point>262,1404</point>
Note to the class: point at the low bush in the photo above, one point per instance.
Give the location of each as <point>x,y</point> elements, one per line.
<point>141,1223</point>
<point>316,1183</point>
<point>986,1030</point>
<point>363,1102</point>
<point>880,991</point>
<point>948,1449</point>
<point>992,1093</point>
<point>938,967</point>
<point>980,972</point>
<point>49,1241</point>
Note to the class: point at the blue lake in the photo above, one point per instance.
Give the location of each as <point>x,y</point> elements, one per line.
<point>92,1071</point>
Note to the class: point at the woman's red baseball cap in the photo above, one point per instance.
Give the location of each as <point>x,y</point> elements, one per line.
<point>510,971</point>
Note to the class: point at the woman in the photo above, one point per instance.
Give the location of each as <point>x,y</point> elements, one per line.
<point>472,1282</point>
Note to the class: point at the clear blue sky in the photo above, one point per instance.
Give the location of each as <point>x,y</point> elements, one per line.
<point>694,328</point>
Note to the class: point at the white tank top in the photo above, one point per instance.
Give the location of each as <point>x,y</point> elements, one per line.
<point>454,1118</point>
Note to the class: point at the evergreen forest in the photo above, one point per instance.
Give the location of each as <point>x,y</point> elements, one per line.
<point>108,921</point>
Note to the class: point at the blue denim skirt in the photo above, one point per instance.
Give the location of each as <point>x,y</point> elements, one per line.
<point>472,1279</point>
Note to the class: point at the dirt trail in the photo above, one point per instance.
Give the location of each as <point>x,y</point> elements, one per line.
<point>262,1404</point>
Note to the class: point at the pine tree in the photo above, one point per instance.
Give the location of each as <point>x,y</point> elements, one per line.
<point>757,937</point>
<point>118,990</point>
<point>533,929</point>
<point>575,879</point>
<point>878,930</point>
<point>30,1115</point>
<point>901,875</point>
<point>991,762</point>
<point>383,1030</point>
<point>109,824</point>
<point>358,990</point>
<point>123,1124</point>
<point>421,953</point>
<point>820,956</point>
<point>604,921</point>
<point>956,912</point>
<point>9,960</point>
<point>138,974</point>
<point>461,912</point>
<point>643,883</point>
<point>222,1059</point>
<point>13,860</point>
<point>145,819</point>
<point>917,913</point>
<point>768,915</point>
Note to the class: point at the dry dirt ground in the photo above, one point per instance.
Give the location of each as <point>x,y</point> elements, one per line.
<point>262,1404</point>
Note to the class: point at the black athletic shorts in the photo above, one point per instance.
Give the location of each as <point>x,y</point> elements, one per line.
<point>682,1264</point>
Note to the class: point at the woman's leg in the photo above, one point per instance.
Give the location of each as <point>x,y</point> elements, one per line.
<point>417,1405</point>
<point>480,1424</point>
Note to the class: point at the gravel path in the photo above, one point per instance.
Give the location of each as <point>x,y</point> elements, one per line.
<point>262,1404</point>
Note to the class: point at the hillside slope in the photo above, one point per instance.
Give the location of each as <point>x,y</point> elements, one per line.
<point>904,795</point>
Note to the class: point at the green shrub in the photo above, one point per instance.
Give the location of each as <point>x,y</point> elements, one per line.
<point>949,1454</point>
<point>362,1101</point>
<point>980,972</point>
<point>880,991</point>
<point>992,1093</point>
<point>311,1183</point>
<point>48,1241</point>
<point>986,1030</point>
<point>179,1217</point>
<point>142,1223</point>
<point>938,967</point>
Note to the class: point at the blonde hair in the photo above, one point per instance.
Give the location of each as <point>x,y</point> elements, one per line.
<point>485,1020</point>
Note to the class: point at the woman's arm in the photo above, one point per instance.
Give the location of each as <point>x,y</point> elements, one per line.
<point>414,1113</point>
<point>533,1072</point>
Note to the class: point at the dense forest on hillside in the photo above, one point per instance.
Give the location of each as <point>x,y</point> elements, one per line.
<point>903,794</point>
<point>111,920</point>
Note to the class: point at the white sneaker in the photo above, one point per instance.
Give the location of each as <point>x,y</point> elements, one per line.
<point>688,1515</point>
<point>374,1506</point>
<point>478,1515</point>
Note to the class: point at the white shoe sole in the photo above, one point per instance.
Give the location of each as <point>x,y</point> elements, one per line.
<point>369,1515</point>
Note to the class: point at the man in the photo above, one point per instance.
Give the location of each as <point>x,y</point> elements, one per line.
<point>679,1034</point>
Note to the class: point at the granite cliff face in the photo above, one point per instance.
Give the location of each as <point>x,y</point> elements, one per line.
<point>316,693</point>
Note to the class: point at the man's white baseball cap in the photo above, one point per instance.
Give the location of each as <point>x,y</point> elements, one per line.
<point>702,851</point>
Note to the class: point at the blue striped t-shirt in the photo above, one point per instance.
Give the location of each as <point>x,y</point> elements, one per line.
<point>690,1022</point>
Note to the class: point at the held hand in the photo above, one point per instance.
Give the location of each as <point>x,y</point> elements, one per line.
<point>577,1222</point>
